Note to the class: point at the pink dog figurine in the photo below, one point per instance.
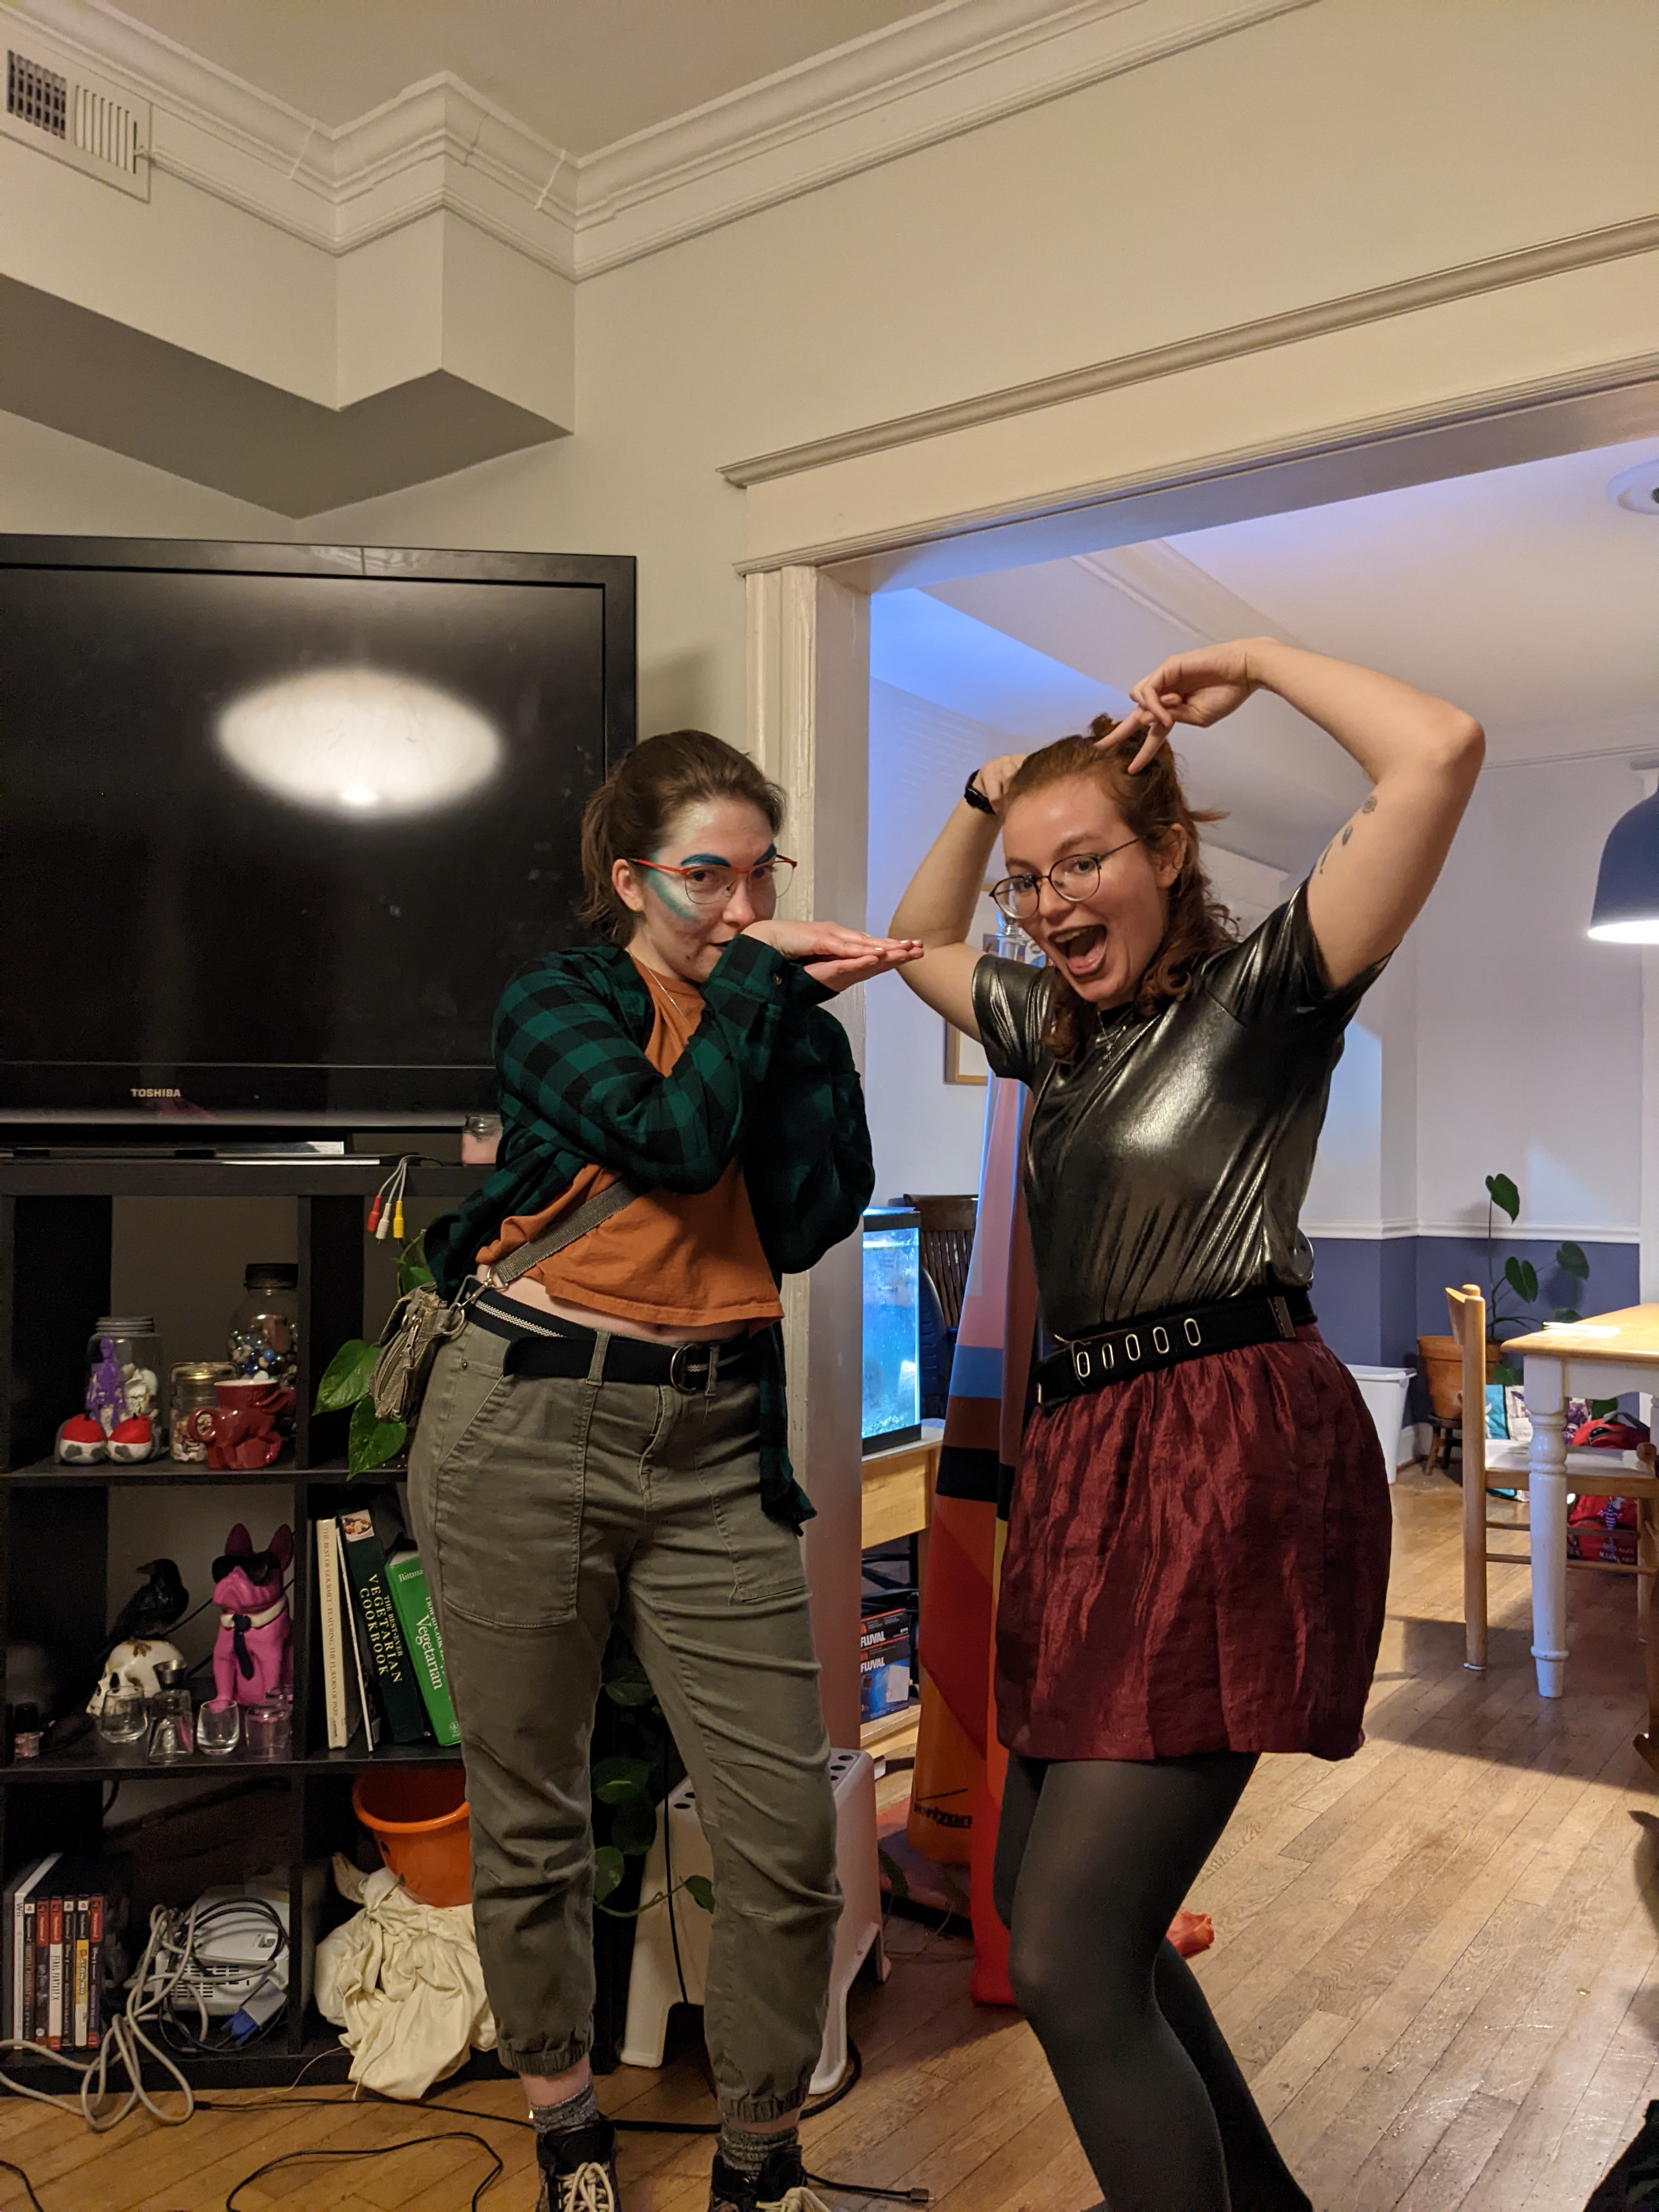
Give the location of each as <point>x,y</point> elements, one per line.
<point>253,1657</point>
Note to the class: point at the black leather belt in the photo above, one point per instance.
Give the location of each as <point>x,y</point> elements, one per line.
<point>541,1346</point>
<point>1149,1342</point>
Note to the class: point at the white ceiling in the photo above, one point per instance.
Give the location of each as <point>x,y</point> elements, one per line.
<point>1524,595</point>
<point>581,73</point>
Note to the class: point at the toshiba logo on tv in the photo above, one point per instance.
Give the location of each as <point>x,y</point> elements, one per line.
<point>156,1091</point>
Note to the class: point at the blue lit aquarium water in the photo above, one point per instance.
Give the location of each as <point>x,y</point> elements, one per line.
<point>892,1314</point>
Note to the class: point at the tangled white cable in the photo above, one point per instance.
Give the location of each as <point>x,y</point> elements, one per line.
<point>170,1976</point>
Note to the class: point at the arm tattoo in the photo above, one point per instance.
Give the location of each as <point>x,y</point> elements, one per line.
<point>1369,807</point>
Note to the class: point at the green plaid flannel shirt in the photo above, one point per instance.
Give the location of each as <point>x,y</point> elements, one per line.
<point>767,1077</point>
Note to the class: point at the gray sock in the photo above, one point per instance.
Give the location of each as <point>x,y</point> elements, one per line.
<point>746,2150</point>
<point>581,2111</point>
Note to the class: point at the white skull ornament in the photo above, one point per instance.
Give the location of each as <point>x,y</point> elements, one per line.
<point>133,1665</point>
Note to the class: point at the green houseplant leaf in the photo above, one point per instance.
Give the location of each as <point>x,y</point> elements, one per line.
<point>701,1891</point>
<point>1504,1194</point>
<point>608,1871</point>
<point>627,1683</point>
<point>618,1781</point>
<point>373,1442</point>
<point>633,1826</point>
<point>346,1378</point>
<point>413,1274</point>
<point>1521,1277</point>
<point>1569,1259</point>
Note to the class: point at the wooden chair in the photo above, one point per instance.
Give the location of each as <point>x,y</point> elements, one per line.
<point>1487,1461</point>
<point>947,1244</point>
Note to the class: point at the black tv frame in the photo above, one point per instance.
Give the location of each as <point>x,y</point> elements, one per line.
<point>294,1108</point>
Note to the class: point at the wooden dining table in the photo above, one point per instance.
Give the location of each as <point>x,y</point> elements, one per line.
<point>1603,1356</point>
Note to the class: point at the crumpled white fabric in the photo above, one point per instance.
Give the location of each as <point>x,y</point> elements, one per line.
<point>403,1981</point>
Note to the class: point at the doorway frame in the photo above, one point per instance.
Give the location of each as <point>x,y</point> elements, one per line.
<point>1553,353</point>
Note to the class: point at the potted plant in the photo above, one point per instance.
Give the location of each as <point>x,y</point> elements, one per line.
<point>1511,1291</point>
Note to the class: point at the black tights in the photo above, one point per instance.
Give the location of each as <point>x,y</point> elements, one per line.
<point>1094,1859</point>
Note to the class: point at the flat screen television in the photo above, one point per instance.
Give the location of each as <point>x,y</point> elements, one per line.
<point>277,823</point>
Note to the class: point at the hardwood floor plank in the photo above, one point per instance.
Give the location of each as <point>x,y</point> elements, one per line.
<point>1438,1962</point>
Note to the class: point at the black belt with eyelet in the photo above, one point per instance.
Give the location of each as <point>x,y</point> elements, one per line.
<point>543,1346</point>
<point>1151,1342</point>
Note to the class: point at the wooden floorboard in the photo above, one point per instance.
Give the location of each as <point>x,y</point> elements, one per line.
<point>1438,1961</point>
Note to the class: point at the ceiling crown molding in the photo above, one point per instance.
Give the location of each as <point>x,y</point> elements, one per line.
<point>1160,578</point>
<point>442,144</point>
<point>925,79</point>
<point>438,144</point>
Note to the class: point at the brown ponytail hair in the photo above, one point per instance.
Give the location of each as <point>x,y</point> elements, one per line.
<point>628,818</point>
<point>1152,806</point>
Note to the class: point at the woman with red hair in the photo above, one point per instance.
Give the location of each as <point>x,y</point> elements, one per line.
<point>1198,1548</point>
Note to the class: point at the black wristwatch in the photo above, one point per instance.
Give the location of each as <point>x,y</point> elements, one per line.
<point>976,798</point>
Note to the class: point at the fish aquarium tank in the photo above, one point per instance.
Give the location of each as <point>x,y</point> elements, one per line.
<point>892,1326</point>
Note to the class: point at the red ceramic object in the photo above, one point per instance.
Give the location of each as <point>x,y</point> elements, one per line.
<point>246,1424</point>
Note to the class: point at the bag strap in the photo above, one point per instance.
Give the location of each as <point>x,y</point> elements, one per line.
<point>587,1216</point>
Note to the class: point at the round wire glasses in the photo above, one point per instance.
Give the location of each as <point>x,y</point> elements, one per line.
<point>1076,878</point>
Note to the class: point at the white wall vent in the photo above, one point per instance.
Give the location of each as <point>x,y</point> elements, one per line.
<point>61,109</point>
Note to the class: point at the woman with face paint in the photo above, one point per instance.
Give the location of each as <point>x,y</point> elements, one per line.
<point>1198,1549</point>
<point>606,1442</point>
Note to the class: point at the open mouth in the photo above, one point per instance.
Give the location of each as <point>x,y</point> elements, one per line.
<point>1081,952</point>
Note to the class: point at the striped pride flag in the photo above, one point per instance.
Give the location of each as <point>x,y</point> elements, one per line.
<point>959,1764</point>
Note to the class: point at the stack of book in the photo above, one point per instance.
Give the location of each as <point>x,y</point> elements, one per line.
<point>383,1658</point>
<point>57,1913</point>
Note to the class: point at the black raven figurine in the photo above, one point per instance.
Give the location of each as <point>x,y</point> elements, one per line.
<point>149,1613</point>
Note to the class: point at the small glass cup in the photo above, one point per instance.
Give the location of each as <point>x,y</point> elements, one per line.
<point>123,1716</point>
<point>173,1726</point>
<point>269,1730</point>
<point>218,1726</point>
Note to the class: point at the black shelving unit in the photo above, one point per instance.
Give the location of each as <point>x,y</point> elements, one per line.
<point>56,1224</point>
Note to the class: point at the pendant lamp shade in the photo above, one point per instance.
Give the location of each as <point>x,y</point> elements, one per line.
<point>1626,910</point>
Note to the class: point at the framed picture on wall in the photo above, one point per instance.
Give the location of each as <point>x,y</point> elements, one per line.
<point>964,1058</point>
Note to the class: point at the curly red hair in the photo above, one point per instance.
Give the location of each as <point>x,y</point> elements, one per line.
<point>1152,806</point>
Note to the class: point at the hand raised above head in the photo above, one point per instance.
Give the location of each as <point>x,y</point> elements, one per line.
<point>1198,689</point>
<point>995,777</point>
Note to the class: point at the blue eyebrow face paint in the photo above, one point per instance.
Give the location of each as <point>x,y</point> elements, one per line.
<point>671,888</point>
<point>719,860</point>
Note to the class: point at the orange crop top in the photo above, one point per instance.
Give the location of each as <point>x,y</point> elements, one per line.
<point>675,1259</point>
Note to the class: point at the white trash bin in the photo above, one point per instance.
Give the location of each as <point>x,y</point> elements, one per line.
<point>664,1972</point>
<point>1383,1389</point>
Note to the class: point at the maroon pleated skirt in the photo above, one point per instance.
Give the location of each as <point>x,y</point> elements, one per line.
<point>1197,1560</point>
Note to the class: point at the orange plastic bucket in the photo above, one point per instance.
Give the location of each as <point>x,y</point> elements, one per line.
<point>418,1817</point>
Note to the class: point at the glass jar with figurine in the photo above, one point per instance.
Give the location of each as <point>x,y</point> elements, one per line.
<point>192,1394</point>
<point>264,1329</point>
<point>123,1400</point>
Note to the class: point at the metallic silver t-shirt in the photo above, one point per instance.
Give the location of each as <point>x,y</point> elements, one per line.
<point>1166,1166</point>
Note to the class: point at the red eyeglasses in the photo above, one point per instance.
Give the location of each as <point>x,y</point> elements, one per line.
<point>707,886</point>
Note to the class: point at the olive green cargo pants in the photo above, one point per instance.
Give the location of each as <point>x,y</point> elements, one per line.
<point>546,1509</point>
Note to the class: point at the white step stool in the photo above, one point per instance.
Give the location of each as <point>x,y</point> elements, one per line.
<point>653,1983</point>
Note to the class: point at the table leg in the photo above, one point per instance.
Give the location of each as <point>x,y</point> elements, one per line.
<point>1546,1475</point>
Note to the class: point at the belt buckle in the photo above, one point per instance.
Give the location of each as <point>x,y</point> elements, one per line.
<point>679,1371</point>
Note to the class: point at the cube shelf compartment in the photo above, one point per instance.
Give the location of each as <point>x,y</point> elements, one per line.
<point>56,1235</point>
